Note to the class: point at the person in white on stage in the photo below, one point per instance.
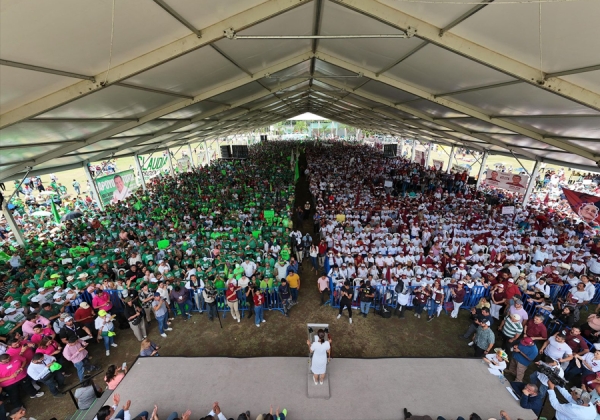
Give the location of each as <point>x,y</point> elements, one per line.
<point>321,351</point>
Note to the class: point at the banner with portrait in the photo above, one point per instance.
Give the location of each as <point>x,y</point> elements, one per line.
<point>116,187</point>
<point>438,164</point>
<point>420,157</point>
<point>506,180</point>
<point>586,206</point>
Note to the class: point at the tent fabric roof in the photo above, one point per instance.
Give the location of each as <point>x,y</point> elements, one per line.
<point>455,73</point>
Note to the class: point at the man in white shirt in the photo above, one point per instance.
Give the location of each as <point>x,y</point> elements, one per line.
<point>40,370</point>
<point>249,267</point>
<point>556,348</point>
<point>578,404</point>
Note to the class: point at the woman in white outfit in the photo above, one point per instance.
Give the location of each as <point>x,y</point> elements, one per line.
<point>321,355</point>
<point>496,362</point>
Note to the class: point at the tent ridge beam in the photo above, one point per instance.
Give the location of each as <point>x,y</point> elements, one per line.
<point>41,69</point>
<point>404,57</point>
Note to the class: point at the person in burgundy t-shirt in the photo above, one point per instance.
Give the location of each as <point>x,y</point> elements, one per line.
<point>535,329</point>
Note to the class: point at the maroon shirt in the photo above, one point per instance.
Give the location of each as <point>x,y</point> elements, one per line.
<point>536,330</point>
<point>460,295</point>
<point>577,343</point>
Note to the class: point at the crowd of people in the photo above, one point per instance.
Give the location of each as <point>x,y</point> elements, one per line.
<point>388,233</point>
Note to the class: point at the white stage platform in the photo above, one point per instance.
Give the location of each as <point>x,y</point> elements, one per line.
<point>360,389</point>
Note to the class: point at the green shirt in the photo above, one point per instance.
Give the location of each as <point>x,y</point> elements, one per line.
<point>6,327</point>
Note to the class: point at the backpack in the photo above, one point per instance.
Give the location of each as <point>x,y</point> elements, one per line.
<point>399,287</point>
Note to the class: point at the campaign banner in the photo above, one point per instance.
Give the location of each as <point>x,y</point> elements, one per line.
<point>459,168</point>
<point>586,206</point>
<point>508,210</point>
<point>153,165</point>
<point>184,164</point>
<point>506,180</point>
<point>438,164</point>
<point>420,157</point>
<point>116,187</point>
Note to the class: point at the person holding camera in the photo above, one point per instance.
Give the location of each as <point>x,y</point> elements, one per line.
<point>210,295</point>
<point>578,404</point>
<point>541,377</point>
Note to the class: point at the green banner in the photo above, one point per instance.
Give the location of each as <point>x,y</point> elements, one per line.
<point>116,187</point>
<point>153,165</point>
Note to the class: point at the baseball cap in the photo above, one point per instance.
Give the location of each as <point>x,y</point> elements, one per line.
<point>517,317</point>
<point>101,312</point>
<point>527,341</point>
<point>84,305</point>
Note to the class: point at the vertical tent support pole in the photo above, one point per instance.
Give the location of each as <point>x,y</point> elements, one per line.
<point>414,151</point>
<point>532,182</point>
<point>191,155</point>
<point>451,160</point>
<point>206,152</point>
<point>12,223</point>
<point>170,163</point>
<point>482,169</point>
<point>138,165</point>
<point>93,191</point>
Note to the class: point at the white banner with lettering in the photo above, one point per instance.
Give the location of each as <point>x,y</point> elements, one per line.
<point>506,180</point>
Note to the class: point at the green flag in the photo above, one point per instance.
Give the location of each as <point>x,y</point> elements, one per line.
<point>297,172</point>
<point>138,205</point>
<point>55,212</point>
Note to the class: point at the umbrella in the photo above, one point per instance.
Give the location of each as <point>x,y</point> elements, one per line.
<point>41,213</point>
<point>71,216</point>
<point>47,193</point>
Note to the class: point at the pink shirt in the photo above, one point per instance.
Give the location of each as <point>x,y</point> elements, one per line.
<point>102,302</point>
<point>27,326</point>
<point>37,338</point>
<point>51,348</point>
<point>115,381</point>
<point>7,369</point>
<point>27,354</point>
<point>72,353</point>
<point>323,283</point>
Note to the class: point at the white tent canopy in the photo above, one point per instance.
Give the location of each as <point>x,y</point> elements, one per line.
<point>455,73</point>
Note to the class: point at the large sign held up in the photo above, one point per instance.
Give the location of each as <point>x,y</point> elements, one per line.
<point>116,187</point>
<point>506,180</point>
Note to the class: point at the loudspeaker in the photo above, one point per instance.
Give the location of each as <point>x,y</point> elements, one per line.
<point>263,137</point>
<point>390,150</point>
<point>226,152</point>
<point>240,152</point>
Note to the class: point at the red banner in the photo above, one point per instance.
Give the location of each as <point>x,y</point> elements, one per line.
<point>586,206</point>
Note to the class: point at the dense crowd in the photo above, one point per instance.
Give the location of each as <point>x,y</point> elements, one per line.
<point>388,233</point>
<point>394,233</point>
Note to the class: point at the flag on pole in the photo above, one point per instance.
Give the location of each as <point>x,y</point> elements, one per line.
<point>138,205</point>
<point>55,212</point>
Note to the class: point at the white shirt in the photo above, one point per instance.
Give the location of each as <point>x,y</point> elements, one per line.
<point>570,410</point>
<point>38,370</point>
<point>100,325</point>
<point>557,350</point>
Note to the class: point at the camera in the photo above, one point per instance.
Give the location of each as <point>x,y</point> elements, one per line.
<point>552,374</point>
<point>211,291</point>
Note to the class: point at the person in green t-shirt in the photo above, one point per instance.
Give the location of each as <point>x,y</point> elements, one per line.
<point>51,311</point>
<point>7,328</point>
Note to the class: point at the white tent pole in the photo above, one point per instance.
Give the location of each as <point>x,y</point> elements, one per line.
<point>532,182</point>
<point>12,223</point>
<point>414,150</point>
<point>206,153</point>
<point>191,155</point>
<point>451,160</point>
<point>482,169</point>
<point>93,190</point>
<point>170,163</point>
<point>138,165</point>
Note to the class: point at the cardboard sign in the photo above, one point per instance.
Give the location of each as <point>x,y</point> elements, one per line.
<point>388,184</point>
<point>508,210</point>
<point>269,214</point>
<point>438,164</point>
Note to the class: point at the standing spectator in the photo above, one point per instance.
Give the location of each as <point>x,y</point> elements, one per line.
<point>477,316</point>
<point>512,329</point>
<point>159,306</point>
<point>209,294</point>
<point>101,301</point>
<point>293,280</point>
<point>346,300</point>
<point>232,301</point>
<point>535,329</point>
<point>14,379</point>
<point>458,297</point>
<point>314,254</point>
<point>146,298</point>
<point>523,355</point>
<point>44,369</point>
<point>84,317</point>
<point>323,287</point>
<point>181,296</point>
<point>106,330</point>
<point>556,348</point>
<point>71,329</point>
<point>259,300</point>
<point>77,187</point>
<point>577,343</point>
<point>483,340</point>
<point>135,317</point>
<point>367,293</point>
<point>577,407</point>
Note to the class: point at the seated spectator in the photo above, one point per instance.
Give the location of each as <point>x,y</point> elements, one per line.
<point>114,376</point>
<point>528,396</point>
<point>87,393</point>
<point>148,348</point>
